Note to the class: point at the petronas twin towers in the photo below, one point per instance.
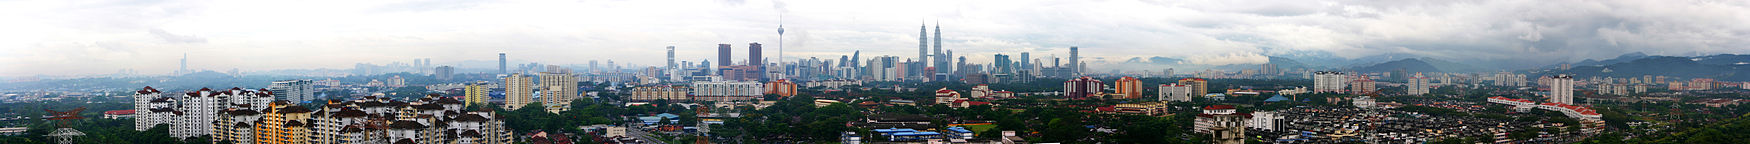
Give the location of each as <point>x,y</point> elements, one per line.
<point>924,56</point>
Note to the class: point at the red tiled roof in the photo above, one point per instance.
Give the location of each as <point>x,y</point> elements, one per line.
<point>1218,107</point>
<point>119,112</point>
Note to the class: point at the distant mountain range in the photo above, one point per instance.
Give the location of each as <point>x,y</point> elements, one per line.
<point>1421,65</point>
<point>1725,67</point>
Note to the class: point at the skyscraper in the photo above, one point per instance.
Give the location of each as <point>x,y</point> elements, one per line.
<point>674,71</point>
<point>501,63</point>
<point>516,90</point>
<point>941,58</point>
<point>723,55</point>
<point>1561,89</point>
<point>753,54</point>
<point>1026,62</point>
<point>1075,61</point>
<point>184,62</point>
<point>923,49</point>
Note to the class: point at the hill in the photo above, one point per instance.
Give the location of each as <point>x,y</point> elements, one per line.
<point>1408,65</point>
<point>1715,67</point>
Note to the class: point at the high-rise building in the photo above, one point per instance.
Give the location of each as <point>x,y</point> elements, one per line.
<point>517,90</point>
<point>296,91</point>
<point>1198,85</point>
<point>923,49</point>
<point>143,109</point>
<point>1561,89</point>
<point>1026,62</point>
<point>475,93</point>
<point>675,72</point>
<point>1082,87</point>
<point>1130,87</point>
<point>726,91</point>
<point>184,62</point>
<point>444,73</point>
<point>1417,85</point>
<point>723,56</point>
<point>558,88</point>
<point>652,93</point>
<point>1362,85</point>
<point>1075,63</point>
<point>1176,92</point>
<point>781,87</point>
<point>501,63</point>
<point>1328,81</point>
<point>941,58</point>
<point>1000,65</point>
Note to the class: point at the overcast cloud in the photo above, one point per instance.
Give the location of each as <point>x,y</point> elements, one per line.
<point>51,37</point>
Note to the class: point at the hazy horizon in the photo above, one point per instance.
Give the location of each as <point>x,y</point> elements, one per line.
<point>62,38</point>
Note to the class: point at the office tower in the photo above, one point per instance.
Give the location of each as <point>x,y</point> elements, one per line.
<point>296,91</point>
<point>674,71</point>
<point>1026,62</point>
<point>475,93</point>
<point>501,63</point>
<point>517,90</point>
<point>558,88</point>
<point>184,68</point>
<point>1417,85</point>
<point>723,55</point>
<point>1081,87</point>
<point>1561,89</point>
<point>1176,92</point>
<point>1130,87</point>
<point>948,59</point>
<point>1328,81</point>
<point>1075,58</point>
<point>444,73</point>
<point>1001,64</point>
<point>923,48</point>
<point>941,58</point>
<point>1198,85</point>
<point>753,59</point>
<point>671,64</point>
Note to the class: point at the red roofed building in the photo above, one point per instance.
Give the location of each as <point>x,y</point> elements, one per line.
<point>963,103</point>
<point>117,114</point>
<point>945,96</point>
<point>1223,122</point>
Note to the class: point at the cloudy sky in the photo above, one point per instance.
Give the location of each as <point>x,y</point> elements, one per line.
<point>58,37</point>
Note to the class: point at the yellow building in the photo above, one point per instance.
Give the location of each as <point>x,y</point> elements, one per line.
<point>476,93</point>
<point>282,123</point>
<point>1198,86</point>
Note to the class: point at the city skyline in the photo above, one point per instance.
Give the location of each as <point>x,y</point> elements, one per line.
<point>148,37</point>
